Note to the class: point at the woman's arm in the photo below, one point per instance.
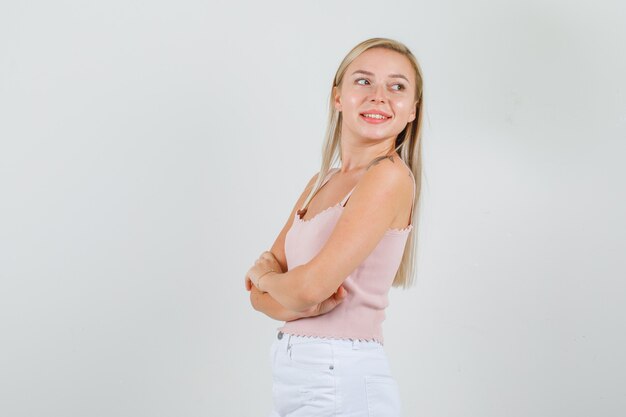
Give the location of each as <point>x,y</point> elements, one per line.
<point>267,304</point>
<point>263,302</point>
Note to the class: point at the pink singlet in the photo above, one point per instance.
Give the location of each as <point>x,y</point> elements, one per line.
<point>361,314</point>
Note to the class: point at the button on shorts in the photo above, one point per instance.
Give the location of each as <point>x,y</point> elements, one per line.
<point>322,377</point>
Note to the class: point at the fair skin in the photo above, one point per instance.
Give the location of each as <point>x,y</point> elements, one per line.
<point>377,81</point>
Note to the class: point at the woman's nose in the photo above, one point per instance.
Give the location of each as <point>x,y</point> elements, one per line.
<point>378,94</point>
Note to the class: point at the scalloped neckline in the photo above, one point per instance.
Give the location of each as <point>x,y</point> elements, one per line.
<point>312,218</point>
<point>338,205</point>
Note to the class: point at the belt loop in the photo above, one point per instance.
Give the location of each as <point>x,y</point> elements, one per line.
<point>355,344</point>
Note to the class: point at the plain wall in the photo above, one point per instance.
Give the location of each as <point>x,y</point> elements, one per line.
<point>150,151</point>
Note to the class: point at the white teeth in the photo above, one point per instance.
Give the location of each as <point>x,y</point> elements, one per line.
<point>374,116</point>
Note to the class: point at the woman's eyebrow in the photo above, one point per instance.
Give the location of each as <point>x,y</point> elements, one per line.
<point>390,75</point>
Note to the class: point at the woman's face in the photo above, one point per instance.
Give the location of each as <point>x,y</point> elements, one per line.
<point>377,95</point>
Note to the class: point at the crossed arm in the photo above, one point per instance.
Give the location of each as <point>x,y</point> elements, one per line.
<point>265,303</point>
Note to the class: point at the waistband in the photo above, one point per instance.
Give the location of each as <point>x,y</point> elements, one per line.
<point>291,339</point>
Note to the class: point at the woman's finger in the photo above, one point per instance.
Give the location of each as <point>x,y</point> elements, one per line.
<point>248,284</point>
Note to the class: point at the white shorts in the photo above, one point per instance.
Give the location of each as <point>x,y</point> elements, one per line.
<point>331,377</point>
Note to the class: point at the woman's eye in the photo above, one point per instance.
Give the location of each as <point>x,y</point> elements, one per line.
<point>364,81</point>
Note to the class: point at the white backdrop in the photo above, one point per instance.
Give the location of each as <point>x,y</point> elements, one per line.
<point>150,151</point>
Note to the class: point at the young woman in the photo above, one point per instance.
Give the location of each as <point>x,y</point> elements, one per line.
<point>349,238</point>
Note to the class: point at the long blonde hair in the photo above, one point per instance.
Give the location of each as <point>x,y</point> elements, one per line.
<point>408,143</point>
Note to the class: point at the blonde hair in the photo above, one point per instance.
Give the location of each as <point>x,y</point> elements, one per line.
<point>408,142</point>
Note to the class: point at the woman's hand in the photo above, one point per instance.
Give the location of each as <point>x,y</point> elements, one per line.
<point>328,304</point>
<point>266,262</point>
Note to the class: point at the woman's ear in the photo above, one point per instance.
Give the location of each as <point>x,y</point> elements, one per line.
<point>336,98</point>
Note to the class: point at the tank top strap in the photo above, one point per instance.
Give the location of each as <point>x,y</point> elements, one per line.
<point>413,200</point>
<point>345,199</point>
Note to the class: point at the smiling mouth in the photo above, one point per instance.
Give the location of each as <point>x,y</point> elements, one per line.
<point>374,117</point>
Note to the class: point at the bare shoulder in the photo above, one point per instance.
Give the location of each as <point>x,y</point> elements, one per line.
<point>390,173</point>
<point>311,182</point>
